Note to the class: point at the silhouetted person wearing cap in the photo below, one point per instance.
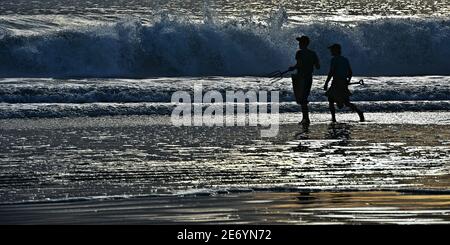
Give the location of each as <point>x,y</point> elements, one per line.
<point>302,81</point>
<point>341,72</point>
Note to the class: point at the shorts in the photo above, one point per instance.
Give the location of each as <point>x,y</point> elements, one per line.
<point>302,88</point>
<point>338,92</point>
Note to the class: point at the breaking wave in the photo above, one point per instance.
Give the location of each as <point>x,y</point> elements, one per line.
<point>420,88</point>
<point>169,47</point>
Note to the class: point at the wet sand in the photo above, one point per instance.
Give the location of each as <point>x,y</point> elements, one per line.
<point>243,208</point>
<point>142,170</point>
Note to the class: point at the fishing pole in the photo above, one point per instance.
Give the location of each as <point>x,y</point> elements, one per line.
<point>277,76</point>
<point>360,82</point>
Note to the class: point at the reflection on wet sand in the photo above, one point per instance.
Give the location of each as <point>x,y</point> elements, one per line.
<point>372,207</point>
<point>243,208</point>
<point>133,156</point>
<point>339,131</point>
<point>349,172</point>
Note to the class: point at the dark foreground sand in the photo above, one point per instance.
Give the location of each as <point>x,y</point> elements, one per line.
<point>243,208</point>
<point>142,170</point>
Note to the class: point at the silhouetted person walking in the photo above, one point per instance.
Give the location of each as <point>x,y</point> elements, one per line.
<point>302,81</point>
<point>341,72</point>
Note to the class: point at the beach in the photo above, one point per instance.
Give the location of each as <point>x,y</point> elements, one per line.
<point>142,169</point>
<point>258,208</point>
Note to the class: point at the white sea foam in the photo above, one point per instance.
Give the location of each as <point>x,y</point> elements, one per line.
<point>100,97</point>
<point>137,47</point>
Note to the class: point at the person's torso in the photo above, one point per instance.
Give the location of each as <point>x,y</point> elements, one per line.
<point>341,67</point>
<point>306,59</point>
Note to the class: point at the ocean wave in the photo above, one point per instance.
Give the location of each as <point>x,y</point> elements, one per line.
<point>432,88</point>
<point>57,110</point>
<point>173,47</point>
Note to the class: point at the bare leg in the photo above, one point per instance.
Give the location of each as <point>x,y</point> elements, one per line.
<point>305,113</point>
<point>332,110</point>
<point>355,109</point>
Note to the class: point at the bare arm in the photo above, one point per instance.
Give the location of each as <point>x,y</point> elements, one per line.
<point>350,74</point>
<point>330,75</point>
<point>291,68</point>
<point>297,65</point>
<point>317,63</point>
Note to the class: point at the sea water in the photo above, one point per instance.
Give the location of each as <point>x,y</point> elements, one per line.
<point>82,83</point>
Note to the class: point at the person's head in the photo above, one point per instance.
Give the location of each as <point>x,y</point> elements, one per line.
<point>303,42</point>
<point>335,49</point>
